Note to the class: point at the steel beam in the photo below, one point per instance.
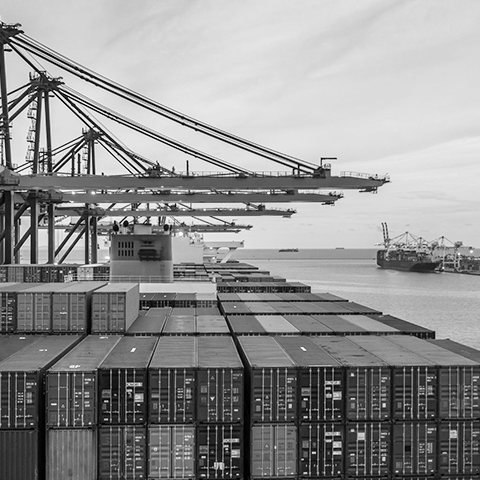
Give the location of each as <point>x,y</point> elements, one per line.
<point>115,182</point>
<point>34,211</point>
<point>9,227</point>
<point>51,232</point>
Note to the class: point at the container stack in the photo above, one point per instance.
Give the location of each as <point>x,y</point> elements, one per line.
<point>122,437</point>
<point>220,414</point>
<point>271,409</point>
<point>196,409</point>
<point>22,405</point>
<point>72,410</point>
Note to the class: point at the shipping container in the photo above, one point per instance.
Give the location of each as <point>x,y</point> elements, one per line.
<point>277,324</point>
<point>71,454</point>
<point>245,325</point>
<point>339,325</point>
<point>114,307</point>
<point>220,451</point>
<point>272,380</point>
<point>171,451</point>
<point>369,324</point>
<point>403,326</point>
<point>207,310</point>
<point>147,300</point>
<point>307,325</point>
<point>172,380</point>
<point>212,325</point>
<point>34,307</point>
<point>458,381</point>
<point>8,305</point>
<point>414,389</point>
<point>149,324</point>
<point>180,325</point>
<point>71,307</point>
<point>235,308</point>
<point>368,387</point>
<point>94,271</point>
<point>21,381</point>
<point>273,451</point>
<point>414,448</point>
<point>122,381</point>
<point>320,380</point>
<point>358,308</point>
<point>164,299</point>
<point>21,455</point>
<point>459,443</point>
<point>220,381</point>
<point>368,451</point>
<point>72,384</point>
<point>122,452</point>
<point>10,344</point>
<point>321,450</point>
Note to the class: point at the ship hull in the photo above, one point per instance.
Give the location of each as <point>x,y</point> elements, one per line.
<point>406,265</point>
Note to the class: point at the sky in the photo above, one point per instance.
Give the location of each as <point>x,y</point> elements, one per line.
<point>386,86</point>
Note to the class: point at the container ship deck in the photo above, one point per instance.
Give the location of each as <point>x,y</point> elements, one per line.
<point>247,377</point>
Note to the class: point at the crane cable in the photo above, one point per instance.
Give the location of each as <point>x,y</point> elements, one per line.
<point>59,60</point>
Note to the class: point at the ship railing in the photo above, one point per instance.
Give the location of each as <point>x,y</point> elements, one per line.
<point>365,176</point>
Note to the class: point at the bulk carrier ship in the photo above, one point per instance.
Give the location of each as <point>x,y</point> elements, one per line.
<point>156,366</point>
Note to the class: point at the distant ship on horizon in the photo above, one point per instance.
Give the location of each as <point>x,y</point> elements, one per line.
<point>294,250</point>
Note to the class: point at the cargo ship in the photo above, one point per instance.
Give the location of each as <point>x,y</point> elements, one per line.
<point>287,250</point>
<point>202,379</point>
<point>406,253</point>
<point>407,260</point>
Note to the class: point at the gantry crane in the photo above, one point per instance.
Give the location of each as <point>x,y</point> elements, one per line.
<point>64,180</point>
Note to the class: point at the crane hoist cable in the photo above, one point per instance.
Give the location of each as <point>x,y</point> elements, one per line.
<point>109,113</point>
<point>36,48</point>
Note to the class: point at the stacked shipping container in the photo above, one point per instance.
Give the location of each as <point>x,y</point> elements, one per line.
<point>122,384</point>
<point>22,416</point>
<point>72,410</point>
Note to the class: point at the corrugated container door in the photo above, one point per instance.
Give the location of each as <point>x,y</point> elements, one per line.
<point>25,312</point>
<point>220,395</point>
<point>100,312</point>
<point>172,395</point>
<point>459,390</point>
<point>172,451</point>
<point>368,449</point>
<point>117,312</point>
<point>368,393</point>
<point>321,391</point>
<point>220,451</point>
<point>122,396</point>
<point>60,311</point>
<point>18,399</point>
<point>321,450</point>
<point>415,393</point>
<point>78,312</point>
<point>273,451</point>
<point>274,395</point>
<point>459,448</point>
<point>122,453</point>
<point>415,448</point>
<point>19,458</point>
<point>43,312</point>
<point>71,454</point>
<point>7,312</point>
<point>71,399</point>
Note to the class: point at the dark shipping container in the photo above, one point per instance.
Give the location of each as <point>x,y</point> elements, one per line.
<point>220,451</point>
<point>220,381</point>
<point>19,455</point>
<point>172,380</point>
<point>414,448</point>
<point>273,380</point>
<point>321,449</point>
<point>8,305</point>
<point>368,448</point>
<point>122,381</point>
<point>21,381</point>
<point>122,453</point>
<point>71,384</point>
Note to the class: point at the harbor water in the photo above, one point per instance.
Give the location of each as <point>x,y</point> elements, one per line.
<point>445,302</point>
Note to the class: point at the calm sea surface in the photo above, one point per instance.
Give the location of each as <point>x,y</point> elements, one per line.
<point>445,302</point>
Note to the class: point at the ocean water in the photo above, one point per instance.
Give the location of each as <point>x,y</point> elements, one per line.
<point>445,302</point>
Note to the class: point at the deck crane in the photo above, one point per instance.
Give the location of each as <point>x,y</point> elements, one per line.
<point>57,179</point>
